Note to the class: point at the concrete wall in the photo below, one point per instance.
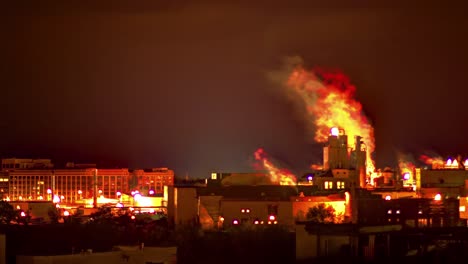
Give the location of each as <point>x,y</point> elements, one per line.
<point>108,257</point>
<point>439,178</point>
<point>125,255</point>
<point>2,249</point>
<point>311,245</point>
<point>306,245</point>
<point>185,205</point>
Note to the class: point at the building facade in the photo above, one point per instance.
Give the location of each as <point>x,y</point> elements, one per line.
<point>20,181</point>
<point>152,181</point>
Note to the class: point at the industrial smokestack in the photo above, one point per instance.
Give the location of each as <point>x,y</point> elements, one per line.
<point>360,159</point>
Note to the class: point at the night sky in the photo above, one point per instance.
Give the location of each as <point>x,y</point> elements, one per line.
<point>184,85</point>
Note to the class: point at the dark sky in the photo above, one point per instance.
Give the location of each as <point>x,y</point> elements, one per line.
<point>184,85</point>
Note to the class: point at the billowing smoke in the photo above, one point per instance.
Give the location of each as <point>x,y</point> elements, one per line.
<point>327,98</point>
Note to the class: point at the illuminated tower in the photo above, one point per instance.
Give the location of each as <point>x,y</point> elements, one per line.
<point>335,153</point>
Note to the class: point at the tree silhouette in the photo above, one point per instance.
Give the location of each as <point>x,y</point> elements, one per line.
<point>7,212</point>
<point>321,214</point>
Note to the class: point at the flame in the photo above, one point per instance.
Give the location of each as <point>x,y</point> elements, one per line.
<point>439,163</point>
<point>452,164</point>
<point>449,163</point>
<point>407,168</point>
<point>278,176</point>
<point>436,162</point>
<point>328,97</point>
<point>316,167</point>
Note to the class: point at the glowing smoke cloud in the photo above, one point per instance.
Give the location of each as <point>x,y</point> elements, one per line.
<point>436,162</point>
<point>328,98</point>
<point>277,176</point>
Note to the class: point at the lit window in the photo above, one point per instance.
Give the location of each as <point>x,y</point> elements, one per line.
<point>242,210</point>
<point>326,185</point>
<point>438,197</point>
<point>397,212</point>
<point>462,208</point>
<point>389,212</point>
<point>235,222</point>
<point>247,210</point>
<point>388,197</point>
<point>272,218</point>
<point>420,212</point>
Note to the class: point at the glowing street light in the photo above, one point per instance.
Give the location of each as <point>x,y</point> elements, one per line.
<point>438,197</point>
<point>56,199</point>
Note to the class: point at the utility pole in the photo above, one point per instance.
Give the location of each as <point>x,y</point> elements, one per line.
<point>95,189</point>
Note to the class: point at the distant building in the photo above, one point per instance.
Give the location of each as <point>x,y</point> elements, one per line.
<point>34,180</point>
<point>14,163</point>
<point>152,181</point>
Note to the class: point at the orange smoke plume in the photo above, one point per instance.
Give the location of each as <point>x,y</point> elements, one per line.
<point>435,162</point>
<point>277,176</point>
<point>329,98</point>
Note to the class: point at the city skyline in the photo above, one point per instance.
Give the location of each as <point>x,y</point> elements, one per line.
<point>185,86</point>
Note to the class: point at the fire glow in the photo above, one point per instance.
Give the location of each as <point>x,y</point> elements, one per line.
<point>277,176</point>
<point>439,163</point>
<point>328,97</point>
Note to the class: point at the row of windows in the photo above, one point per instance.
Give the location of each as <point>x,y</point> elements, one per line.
<point>339,185</point>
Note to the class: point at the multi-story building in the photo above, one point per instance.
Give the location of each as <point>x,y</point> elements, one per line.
<point>78,182</point>
<point>70,185</point>
<point>152,181</point>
